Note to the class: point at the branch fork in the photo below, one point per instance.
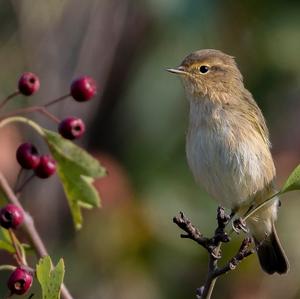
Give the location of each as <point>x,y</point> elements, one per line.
<point>213,247</point>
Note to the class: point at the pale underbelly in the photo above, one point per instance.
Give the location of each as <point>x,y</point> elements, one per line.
<point>231,174</point>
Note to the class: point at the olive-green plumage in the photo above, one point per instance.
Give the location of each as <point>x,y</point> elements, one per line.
<point>228,148</point>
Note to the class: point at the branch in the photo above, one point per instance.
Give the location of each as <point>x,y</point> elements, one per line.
<point>213,246</point>
<point>191,231</point>
<point>210,244</point>
<point>30,229</point>
<point>242,253</point>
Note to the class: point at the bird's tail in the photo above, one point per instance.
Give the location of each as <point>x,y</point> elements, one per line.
<point>271,255</point>
<point>270,252</point>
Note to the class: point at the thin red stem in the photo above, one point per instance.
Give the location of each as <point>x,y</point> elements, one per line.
<point>19,190</point>
<point>4,102</point>
<point>20,172</point>
<point>56,100</point>
<point>39,109</point>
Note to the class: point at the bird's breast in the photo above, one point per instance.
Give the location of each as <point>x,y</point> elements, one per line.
<point>227,156</point>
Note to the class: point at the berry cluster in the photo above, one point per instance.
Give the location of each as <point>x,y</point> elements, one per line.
<point>28,157</point>
<point>12,216</point>
<point>82,89</point>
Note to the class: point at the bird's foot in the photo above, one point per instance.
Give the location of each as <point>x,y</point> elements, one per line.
<point>239,225</point>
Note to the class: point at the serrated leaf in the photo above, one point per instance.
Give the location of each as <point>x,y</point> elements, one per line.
<point>77,171</point>
<point>50,278</point>
<point>293,181</point>
<point>89,165</point>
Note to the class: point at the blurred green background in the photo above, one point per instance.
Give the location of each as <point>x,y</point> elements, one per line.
<point>130,248</point>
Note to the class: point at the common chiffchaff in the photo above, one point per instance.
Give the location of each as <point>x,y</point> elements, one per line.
<point>228,148</point>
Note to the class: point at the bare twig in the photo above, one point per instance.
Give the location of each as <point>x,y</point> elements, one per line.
<point>191,231</point>
<point>242,253</point>
<point>29,229</point>
<point>213,246</point>
<point>210,244</point>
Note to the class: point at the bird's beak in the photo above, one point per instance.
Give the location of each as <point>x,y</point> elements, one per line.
<point>179,70</point>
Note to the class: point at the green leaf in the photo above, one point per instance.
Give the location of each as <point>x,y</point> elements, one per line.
<point>6,246</point>
<point>3,198</point>
<point>5,242</point>
<point>77,171</point>
<point>293,181</point>
<point>50,278</point>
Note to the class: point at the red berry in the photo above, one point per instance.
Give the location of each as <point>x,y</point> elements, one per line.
<point>20,281</point>
<point>46,167</point>
<point>11,216</point>
<point>71,128</point>
<point>27,156</point>
<point>83,89</point>
<point>29,83</point>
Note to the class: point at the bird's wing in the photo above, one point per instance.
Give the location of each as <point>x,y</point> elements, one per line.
<point>256,117</point>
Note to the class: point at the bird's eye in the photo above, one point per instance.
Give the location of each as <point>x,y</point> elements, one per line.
<point>203,69</point>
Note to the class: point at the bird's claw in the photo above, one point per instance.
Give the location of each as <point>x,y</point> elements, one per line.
<point>239,225</point>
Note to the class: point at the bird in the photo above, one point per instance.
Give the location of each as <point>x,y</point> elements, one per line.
<point>228,147</point>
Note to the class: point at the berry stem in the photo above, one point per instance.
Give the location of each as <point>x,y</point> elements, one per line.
<point>19,253</point>
<point>4,102</point>
<point>39,109</point>
<point>19,190</point>
<point>18,179</point>
<point>30,229</point>
<point>56,100</point>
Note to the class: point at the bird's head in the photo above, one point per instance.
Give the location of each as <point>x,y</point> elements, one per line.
<point>209,73</point>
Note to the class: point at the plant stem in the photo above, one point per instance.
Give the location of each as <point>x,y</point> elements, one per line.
<point>20,189</point>
<point>56,100</point>
<point>34,125</point>
<point>19,254</point>
<point>30,229</point>
<point>7,267</point>
<point>20,172</point>
<point>260,206</point>
<point>211,278</point>
<point>3,103</point>
<point>39,109</point>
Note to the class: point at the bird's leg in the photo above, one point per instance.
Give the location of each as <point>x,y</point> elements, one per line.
<point>239,224</point>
